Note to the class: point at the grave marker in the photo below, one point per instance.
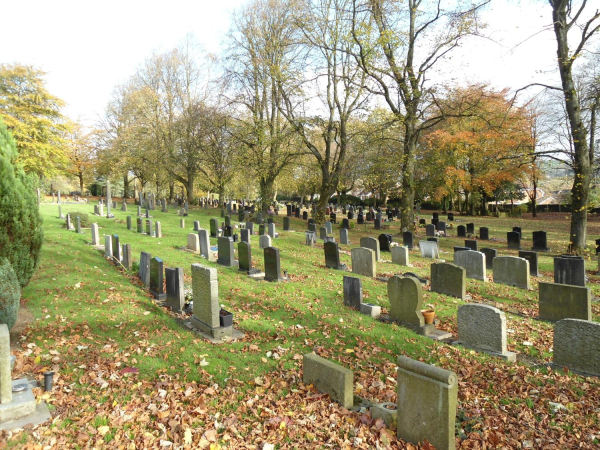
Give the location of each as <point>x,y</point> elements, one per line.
<point>364,262</point>
<point>577,345</point>
<point>449,279</point>
<point>353,292</point>
<point>563,301</point>
<point>473,262</point>
<point>175,294</point>
<point>157,279</point>
<point>512,271</point>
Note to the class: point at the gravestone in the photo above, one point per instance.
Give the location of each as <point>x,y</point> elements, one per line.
<point>484,233</point>
<point>116,249</point>
<point>422,222</point>
<point>344,236</point>
<point>144,268</point>
<point>490,254</point>
<point>204,244</point>
<point>286,224</point>
<point>149,227</point>
<point>329,227</point>
<point>406,302</point>
<point>312,227</point>
<point>518,230</point>
<point>532,257</point>
<point>193,242</point>
<point>569,270</point>
<point>514,240</point>
<point>435,222</point>
<point>108,199</point>
<point>124,206</point>
<point>78,225</point>
<point>245,235</point>
<point>196,225</point>
<point>264,241</point>
<point>129,222</point>
<point>364,262</point>
<point>450,217</point>
<point>461,231</point>
<point>311,238</point>
<point>563,301</point>
<point>214,226</point>
<point>441,227</point>
<point>400,256</point>
<point>227,220</point>
<point>322,233</point>
<point>157,279</point>
<point>483,328</point>
<point>430,394</point>
<point>245,256</point>
<point>377,224</point>
<point>157,230</point>
<point>473,262</point>
<point>127,256</point>
<point>250,227</point>
<point>577,345</point>
<point>205,287</point>
<point>353,292</point>
<point>512,271</point>
<point>540,243</point>
<point>330,378</point>
<point>226,252</point>
<point>272,233</point>
<point>373,244</point>
<point>430,230</point>
<point>472,244</point>
<point>261,230</point>
<point>228,231</point>
<point>95,234</point>
<point>470,228</point>
<point>181,223</point>
<point>69,225</point>
<point>408,239</point>
<point>360,219</point>
<point>449,279</point>
<point>429,249</point>
<point>332,256</point>
<point>272,265</point>
<point>345,224</point>
<point>108,246</point>
<point>140,225</point>
<point>385,241</point>
<point>139,211</point>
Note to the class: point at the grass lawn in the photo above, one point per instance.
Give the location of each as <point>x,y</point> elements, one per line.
<point>129,374</point>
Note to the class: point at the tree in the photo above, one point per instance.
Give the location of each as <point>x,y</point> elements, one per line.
<point>33,116</point>
<point>21,232</point>
<point>400,43</point>
<point>81,153</point>
<point>566,16</point>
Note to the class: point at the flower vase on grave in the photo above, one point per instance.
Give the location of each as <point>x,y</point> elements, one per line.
<point>225,318</point>
<point>428,315</point>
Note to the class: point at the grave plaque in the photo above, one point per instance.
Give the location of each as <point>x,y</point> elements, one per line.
<point>429,249</point>
<point>406,302</point>
<point>140,225</point>
<point>157,230</point>
<point>264,241</point>
<point>517,230</point>
<point>127,256</point>
<point>311,238</point>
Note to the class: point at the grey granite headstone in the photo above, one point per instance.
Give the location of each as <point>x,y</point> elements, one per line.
<point>264,241</point>
<point>226,252</point>
<point>204,243</point>
<point>353,292</point>
<point>95,234</point>
<point>245,256</point>
<point>193,242</point>
<point>271,232</point>
<point>140,225</point>
<point>196,225</point>
<point>430,230</point>
<point>214,226</point>
<point>245,235</point>
<point>157,230</point>
<point>483,328</point>
<point>108,246</point>
<point>344,237</point>
<point>429,249</point>
<point>364,262</point>
<point>181,223</point>
<point>473,262</point>
<point>127,259</point>
<point>373,244</point>
<point>322,232</point>
<point>564,301</point>
<point>569,270</point>
<point>116,249</point>
<point>577,345</point>
<point>175,291</point>
<point>129,222</point>
<point>157,278</point>
<point>512,271</point>
<point>272,264</point>
<point>400,256</point>
<point>205,288</point>
<point>449,279</point>
<point>144,268</point>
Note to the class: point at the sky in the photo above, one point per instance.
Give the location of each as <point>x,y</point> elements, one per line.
<point>88,47</point>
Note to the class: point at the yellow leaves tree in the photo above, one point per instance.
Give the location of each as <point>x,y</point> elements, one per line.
<point>81,153</point>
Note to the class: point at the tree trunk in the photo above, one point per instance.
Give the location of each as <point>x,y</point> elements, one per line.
<point>266,192</point>
<point>171,190</point>
<point>189,187</point>
<point>80,176</point>
<point>534,198</point>
<point>222,194</point>
<point>407,201</point>
<point>125,186</point>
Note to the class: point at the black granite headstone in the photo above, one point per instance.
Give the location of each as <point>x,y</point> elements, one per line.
<point>490,254</point>
<point>408,239</point>
<point>569,270</point>
<point>472,244</point>
<point>514,240</point>
<point>353,292</point>
<point>532,257</point>
<point>385,241</point>
<point>484,233</point>
<point>461,231</point>
<point>540,242</point>
<point>157,278</point>
<point>272,265</point>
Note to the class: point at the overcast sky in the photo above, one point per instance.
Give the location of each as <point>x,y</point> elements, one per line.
<point>87,48</point>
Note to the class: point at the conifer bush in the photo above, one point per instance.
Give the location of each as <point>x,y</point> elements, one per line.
<point>10,294</point>
<point>21,231</point>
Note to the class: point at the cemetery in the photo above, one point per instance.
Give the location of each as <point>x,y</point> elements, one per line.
<point>307,225</point>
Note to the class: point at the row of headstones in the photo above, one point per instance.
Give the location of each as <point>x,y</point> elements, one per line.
<point>69,223</point>
<point>152,231</point>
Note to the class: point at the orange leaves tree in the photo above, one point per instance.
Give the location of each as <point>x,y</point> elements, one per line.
<point>483,143</point>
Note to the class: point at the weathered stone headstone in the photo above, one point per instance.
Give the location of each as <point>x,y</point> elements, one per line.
<point>129,222</point>
<point>429,249</point>
<point>175,294</point>
<point>205,288</point>
<point>512,271</point>
<point>332,256</point>
<point>149,227</point>
<point>364,262</point>
<point>449,279</point>
<point>108,246</point>
<point>127,256</point>
<point>344,236</point>
<point>430,230</point>
<point>430,394</point>
<point>116,249</point>
<point>569,270</point>
<point>272,264</point>
<point>461,231</point>
<point>264,241</point>
<point>157,278</point>
<point>157,230</point>
<point>226,252</point>
<point>271,231</point>
<point>408,239</point>
<point>577,345</point>
<point>563,301</point>
<point>204,244</point>
<point>483,328</point>
<point>140,225</point>
<point>330,378</point>
<point>144,268</point>
<point>95,234</point>
<point>373,244</point>
<point>245,256</point>
<point>353,292</point>
<point>532,257</point>
<point>406,301</point>
<point>193,242</point>
<point>514,240</point>
<point>473,262</point>
<point>490,254</point>
<point>400,256</point>
<point>311,238</point>
<point>214,226</point>
<point>322,232</point>
<point>540,242</point>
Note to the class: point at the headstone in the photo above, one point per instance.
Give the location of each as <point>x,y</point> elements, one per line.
<point>196,224</point>
<point>430,230</point>
<point>332,256</point>
<point>385,240</point>
<point>514,240</point>
<point>577,345</point>
<point>408,239</point>
<point>245,235</point>
<point>311,238</point>
<point>228,231</point>
<point>245,256</point>
<point>532,257</point>
<point>569,270</point>
<point>540,242</point>
<point>373,244</point>
<point>563,301</point>
<point>127,257</point>
<point>353,292</point>
<point>305,215</point>
<point>214,225</point>
<point>78,225</point>
<point>449,279</point>
<point>461,231</point>
<point>108,246</point>
<point>512,271</point>
<point>330,378</point>
<point>250,227</point>
<point>484,233</point>
<point>322,232</point>
<point>441,227</point>
<point>360,219</point>
<point>175,293</point>
<point>344,236</point>
<point>435,222</point>
<point>226,252</point>
<point>272,233</point>
<point>193,242</point>
<point>157,279</point>
<point>377,224</point>
<point>289,210</point>
<point>157,230</point>
<point>129,222</point>
<point>286,224</point>
<point>400,256</point>
<point>101,209</point>
<point>205,288</point>
<point>406,302</point>
<point>490,254</point>
<point>204,243</point>
<point>272,264</point>
<point>470,228</point>
<point>144,268</point>
<point>139,211</point>
<point>116,248</point>
<point>472,244</point>
<point>430,394</point>
<point>435,215</point>
<point>483,328</point>
<point>429,249</point>
<point>223,213</point>
<point>313,227</point>
<point>124,206</point>
<point>517,230</point>
<point>69,224</point>
<point>108,198</point>
<point>264,241</point>
<point>227,220</point>
<point>345,224</point>
<point>261,230</point>
<point>364,262</point>
<point>95,234</point>
<point>473,262</point>
<point>450,217</point>
<point>140,225</point>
